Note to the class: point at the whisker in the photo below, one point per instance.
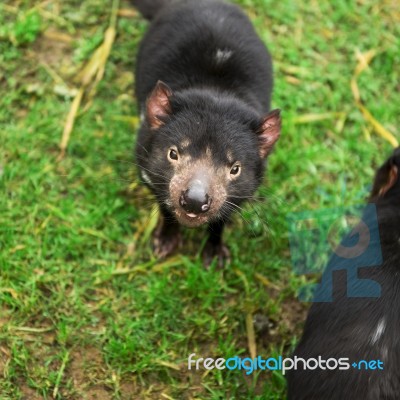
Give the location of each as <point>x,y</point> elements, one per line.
<point>244,219</point>
<point>233,204</point>
<point>138,144</point>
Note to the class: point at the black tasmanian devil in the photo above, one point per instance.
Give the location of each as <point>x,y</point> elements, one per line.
<point>359,328</point>
<point>203,83</point>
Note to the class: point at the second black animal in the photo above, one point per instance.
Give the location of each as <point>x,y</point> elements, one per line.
<point>359,325</point>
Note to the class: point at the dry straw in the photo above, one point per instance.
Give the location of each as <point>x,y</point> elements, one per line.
<point>89,78</point>
<point>364,59</point>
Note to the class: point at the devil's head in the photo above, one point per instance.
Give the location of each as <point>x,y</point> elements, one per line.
<point>203,153</point>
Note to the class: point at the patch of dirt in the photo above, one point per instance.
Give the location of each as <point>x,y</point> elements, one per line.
<point>53,48</point>
<point>4,357</point>
<point>128,390</point>
<point>29,393</point>
<point>86,371</point>
<point>286,324</point>
<point>97,393</point>
<point>294,315</point>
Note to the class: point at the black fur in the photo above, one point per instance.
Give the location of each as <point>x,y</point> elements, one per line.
<point>220,104</point>
<point>347,326</point>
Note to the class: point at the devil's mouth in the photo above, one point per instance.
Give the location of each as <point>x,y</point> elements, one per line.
<point>191,220</point>
<point>192,215</point>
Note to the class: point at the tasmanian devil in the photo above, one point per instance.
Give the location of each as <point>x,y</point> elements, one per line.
<point>203,84</point>
<point>360,328</point>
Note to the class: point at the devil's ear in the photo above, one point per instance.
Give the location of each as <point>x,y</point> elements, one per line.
<point>385,178</point>
<point>269,132</point>
<point>158,105</point>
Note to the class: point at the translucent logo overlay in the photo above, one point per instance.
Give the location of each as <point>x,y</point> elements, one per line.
<point>329,240</point>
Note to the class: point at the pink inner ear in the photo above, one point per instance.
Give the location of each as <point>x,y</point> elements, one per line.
<point>158,105</point>
<point>392,179</point>
<point>269,132</point>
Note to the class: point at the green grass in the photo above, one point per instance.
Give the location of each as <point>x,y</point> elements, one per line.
<point>86,311</point>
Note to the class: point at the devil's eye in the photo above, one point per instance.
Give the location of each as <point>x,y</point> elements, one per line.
<point>173,154</point>
<point>235,169</point>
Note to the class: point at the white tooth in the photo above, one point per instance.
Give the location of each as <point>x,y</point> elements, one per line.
<point>191,215</point>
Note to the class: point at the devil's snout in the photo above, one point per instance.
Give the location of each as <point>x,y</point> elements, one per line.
<point>195,199</point>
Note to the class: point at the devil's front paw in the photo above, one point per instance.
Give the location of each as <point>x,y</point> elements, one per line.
<point>219,251</point>
<point>165,243</point>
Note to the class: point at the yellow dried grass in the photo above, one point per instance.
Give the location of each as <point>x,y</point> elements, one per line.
<point>89,78</point>
<point>364,59</point>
